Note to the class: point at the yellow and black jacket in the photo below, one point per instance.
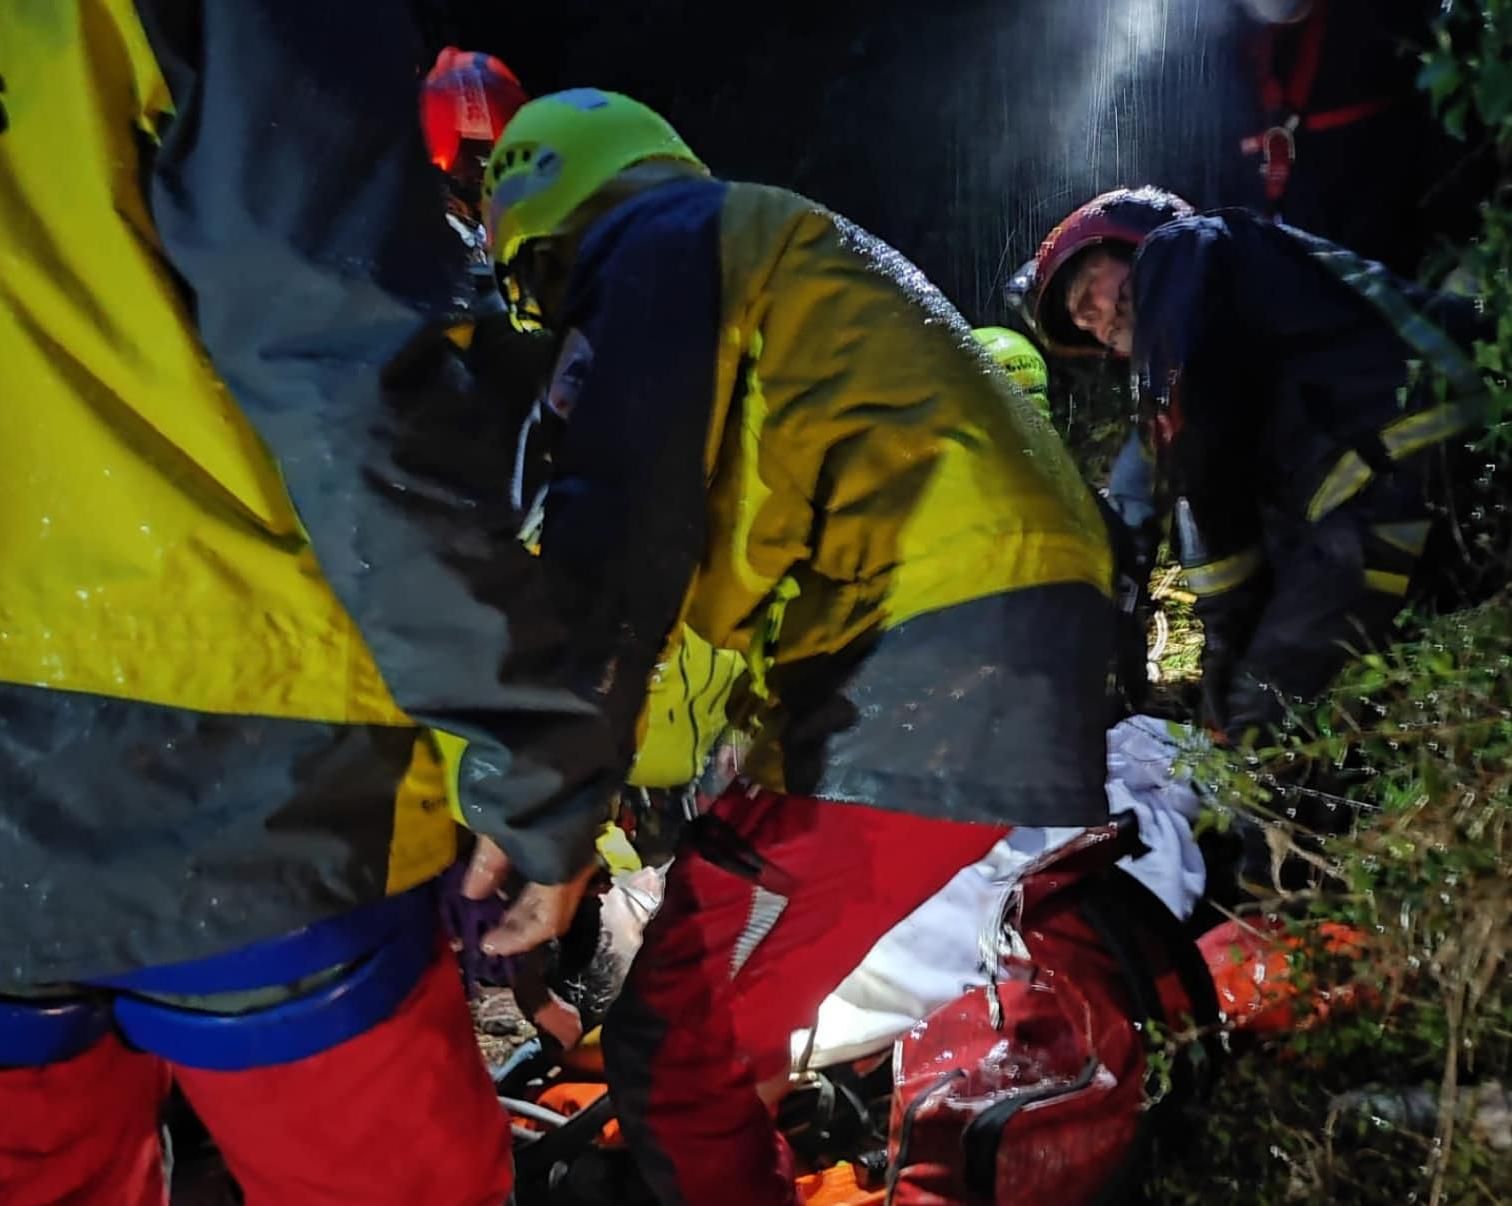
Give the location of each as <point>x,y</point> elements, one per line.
<point>251,518</point>
<point>780,435</point>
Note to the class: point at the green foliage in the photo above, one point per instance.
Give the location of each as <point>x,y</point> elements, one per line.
<point>1467,73</point>
<point>1387,808</point>
<point>1394,1098</point>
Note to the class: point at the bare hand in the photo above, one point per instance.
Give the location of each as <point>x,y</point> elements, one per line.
<point>540,913</point>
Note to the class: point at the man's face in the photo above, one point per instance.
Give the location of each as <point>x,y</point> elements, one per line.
<point>543,272</point>
<point>1098,301</point>
<point>466,176</point>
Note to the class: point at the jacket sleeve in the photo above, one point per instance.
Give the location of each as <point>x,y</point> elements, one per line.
<point>1181,303</point>
<point>292,195</point>
<point>1335,597</point>
<point>634,387</point>
<point>685,711</point>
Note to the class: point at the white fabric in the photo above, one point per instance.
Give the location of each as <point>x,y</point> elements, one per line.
<point>931,956</point>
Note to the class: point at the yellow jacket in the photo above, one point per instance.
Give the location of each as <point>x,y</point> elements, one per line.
<point>216,450</point>
<point>808,460</point>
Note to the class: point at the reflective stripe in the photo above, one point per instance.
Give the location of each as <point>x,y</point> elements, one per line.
<point>1387,584</point>
<point>766,910</point>
<point>1401,438</point>
<point>1424,336</point>
<point>1413,433</point>
<point>1216,577</point>
<point>1346,479</point>
<point>1408,537</point>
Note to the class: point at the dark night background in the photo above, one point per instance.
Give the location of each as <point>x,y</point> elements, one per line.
<point>961,131</point>
<point>958,131</point>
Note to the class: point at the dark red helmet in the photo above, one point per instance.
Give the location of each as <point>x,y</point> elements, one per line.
<point>467,97</point>
<point>1123,218</point>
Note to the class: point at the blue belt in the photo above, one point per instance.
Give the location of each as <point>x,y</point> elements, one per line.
<point>34,1033</point>
<point>287,958</point>
<point>387,945</point>
<point>383,950</point>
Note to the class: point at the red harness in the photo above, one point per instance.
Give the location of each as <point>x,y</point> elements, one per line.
<point>1286,103</point>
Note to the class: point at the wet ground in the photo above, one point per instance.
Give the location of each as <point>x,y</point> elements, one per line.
<point>499,1024</point>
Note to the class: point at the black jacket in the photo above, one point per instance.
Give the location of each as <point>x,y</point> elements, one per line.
<point>1311,469</point>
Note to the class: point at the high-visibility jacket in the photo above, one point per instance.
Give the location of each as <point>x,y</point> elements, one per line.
<point>779,435</point>
<point>251,519</point>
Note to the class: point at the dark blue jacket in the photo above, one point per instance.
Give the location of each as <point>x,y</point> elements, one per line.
<point>1308,466</point>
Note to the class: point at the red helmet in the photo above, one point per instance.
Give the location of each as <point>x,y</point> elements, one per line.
<point>467,97</point>
<point>1123,218</point>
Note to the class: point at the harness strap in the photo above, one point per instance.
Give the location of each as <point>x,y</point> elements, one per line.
<point>1286,103</point>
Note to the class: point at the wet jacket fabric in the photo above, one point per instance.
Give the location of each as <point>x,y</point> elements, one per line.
<point>252,523</point>
<point>778,433</point>
<point>1310,472</point>
<point>686,711</point>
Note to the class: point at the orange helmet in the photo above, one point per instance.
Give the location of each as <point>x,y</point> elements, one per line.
<point>468,96</point>
<point>1122,218</point>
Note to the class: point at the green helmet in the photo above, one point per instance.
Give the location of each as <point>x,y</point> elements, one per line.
<point>557,151</point>
<point>1021,360</point>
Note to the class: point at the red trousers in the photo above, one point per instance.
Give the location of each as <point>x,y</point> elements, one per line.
<point>728,971</point>
<point>400,1115</point>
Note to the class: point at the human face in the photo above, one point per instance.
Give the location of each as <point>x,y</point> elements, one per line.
<point>543,269</point>
<point>1098,301</point>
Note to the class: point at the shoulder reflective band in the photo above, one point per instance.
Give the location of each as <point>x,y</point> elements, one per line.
<point>1401,438</point>
<point>1420,333</point>
<point>1217,577</point>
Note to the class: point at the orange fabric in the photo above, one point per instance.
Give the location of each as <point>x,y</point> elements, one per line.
<point>1252,972</point>
<point>836,1187</point>
<point>570,1097</point>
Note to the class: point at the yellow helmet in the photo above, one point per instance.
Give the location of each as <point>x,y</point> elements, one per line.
<point>1021,360</point>
<point>560,149</point>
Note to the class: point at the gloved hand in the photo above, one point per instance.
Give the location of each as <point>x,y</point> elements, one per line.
<point>466,923</point>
